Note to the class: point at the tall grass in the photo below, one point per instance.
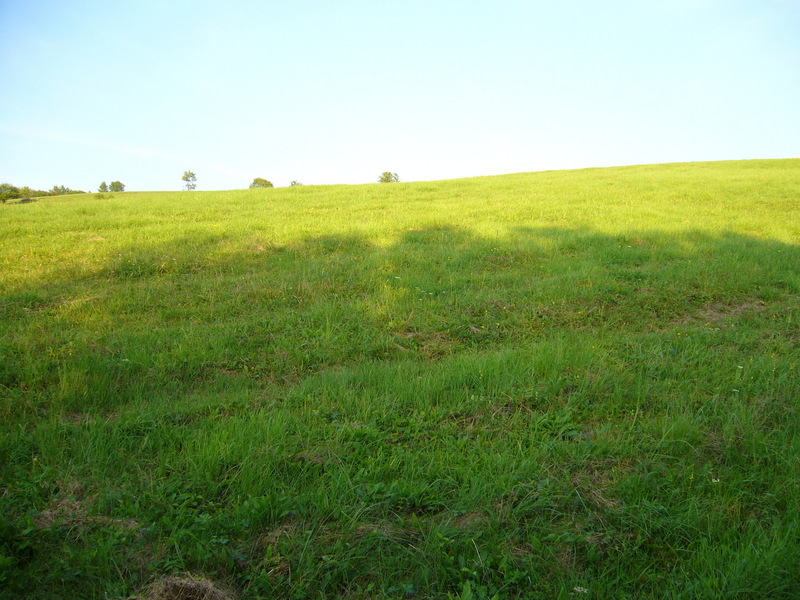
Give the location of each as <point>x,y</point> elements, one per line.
<point>547,385</point>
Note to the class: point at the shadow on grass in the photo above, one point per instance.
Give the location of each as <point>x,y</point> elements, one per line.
<point>217,311</point>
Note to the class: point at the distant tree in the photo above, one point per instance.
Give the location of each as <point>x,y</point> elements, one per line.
<point>295,182</point>
<point>8,192</point>
<point>387,177</point>
<point>260,182</point>
<point>116,186</point>
<point>190,179</point>
<point>27,193</point>
<point>103,187</point>
<point>62,190</point>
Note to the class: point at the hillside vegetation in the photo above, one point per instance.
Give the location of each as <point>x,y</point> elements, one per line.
<point>576,384</point>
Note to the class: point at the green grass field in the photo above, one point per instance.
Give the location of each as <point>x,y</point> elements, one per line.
<point>575,384</point>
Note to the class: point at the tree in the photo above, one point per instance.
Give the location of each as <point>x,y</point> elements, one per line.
<point>103,187</point>
<point>62,190</point>
<point>295,182</point>
<point>8,192</point>
<point>27,193</point>
<point>260,182</point>
<point>117,186</point>
<point>190,179</point>
<point>387,177</point>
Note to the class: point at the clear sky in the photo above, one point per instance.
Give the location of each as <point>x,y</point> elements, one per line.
<point>325,91</point>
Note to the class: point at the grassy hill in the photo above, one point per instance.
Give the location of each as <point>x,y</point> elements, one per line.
<point>575,384</point>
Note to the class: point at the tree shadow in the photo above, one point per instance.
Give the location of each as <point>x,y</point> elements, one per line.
<point>215,310</point>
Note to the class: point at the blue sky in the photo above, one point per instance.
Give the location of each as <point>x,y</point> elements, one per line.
<point>338,92</point>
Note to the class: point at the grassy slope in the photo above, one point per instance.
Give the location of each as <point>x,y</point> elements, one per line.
<point>511,385</point>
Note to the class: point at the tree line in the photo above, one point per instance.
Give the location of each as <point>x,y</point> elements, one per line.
<point>11,192</point>
<point>260,182</point>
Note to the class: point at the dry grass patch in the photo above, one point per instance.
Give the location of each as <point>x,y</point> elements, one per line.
<point>596,480</point>
<point>68,511</point>
<point>398,534</point>
<point>185,587</point>
<point>273,536</point>
<point>265,553</point>
<point>718,312</point>
<point>470,520</point>
<point>430,344</point>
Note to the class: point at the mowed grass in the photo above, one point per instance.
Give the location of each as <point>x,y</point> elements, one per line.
<point>578,384</point>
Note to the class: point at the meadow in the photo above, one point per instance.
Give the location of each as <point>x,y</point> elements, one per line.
<point>571,384</point>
